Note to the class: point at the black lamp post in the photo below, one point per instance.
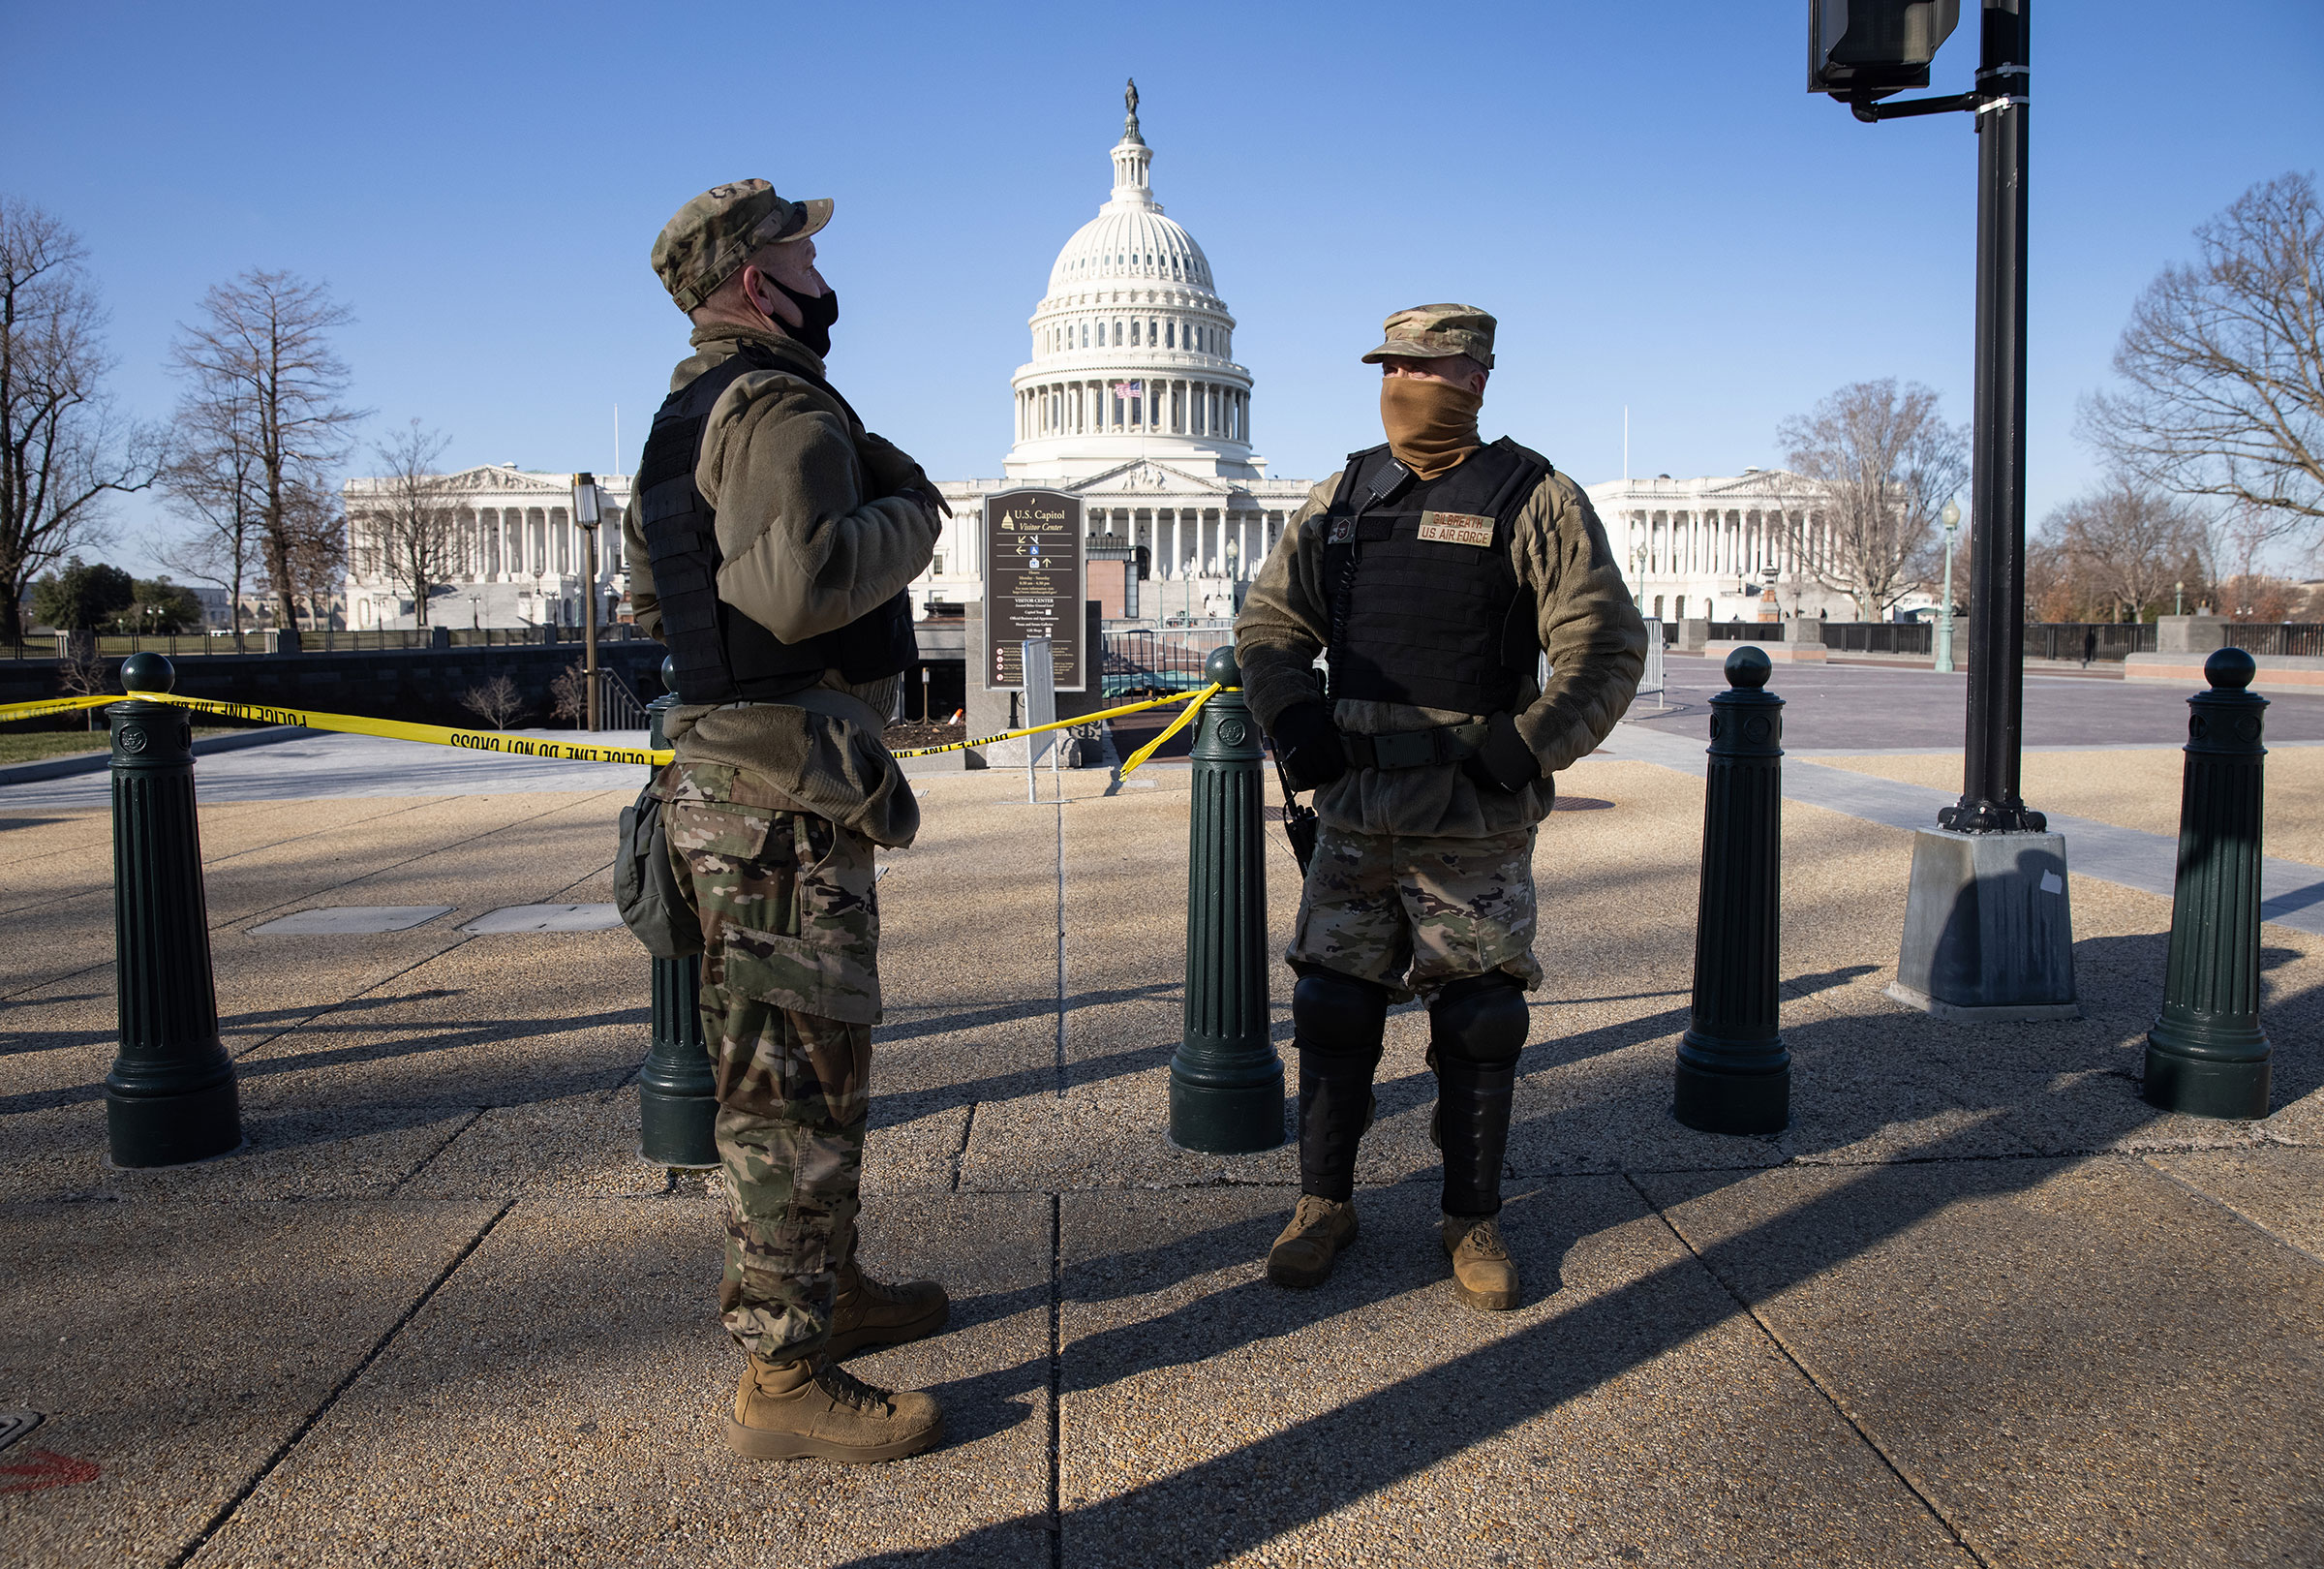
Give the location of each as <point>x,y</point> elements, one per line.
<point>587,513</point>
<point>1988,933</point>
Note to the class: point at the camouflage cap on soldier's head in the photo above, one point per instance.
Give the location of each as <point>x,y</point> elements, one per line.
<point>714,235</point>
<point>1433,331</point>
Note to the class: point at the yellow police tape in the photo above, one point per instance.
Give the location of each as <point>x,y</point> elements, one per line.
<point>1138,757</point>
<point>515,746</point>
<point>55,705</point>
<point>1064,724</point>
<point>520,746</point>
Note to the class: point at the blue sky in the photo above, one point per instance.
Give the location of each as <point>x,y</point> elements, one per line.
<point>1645,194</point>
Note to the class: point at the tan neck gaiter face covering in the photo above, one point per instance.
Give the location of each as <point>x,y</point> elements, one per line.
<point>1430,425</point>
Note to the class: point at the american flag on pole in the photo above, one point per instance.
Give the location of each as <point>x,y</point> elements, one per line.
<point>1129,389</point>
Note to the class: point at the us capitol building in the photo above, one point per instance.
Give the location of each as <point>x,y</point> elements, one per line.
<point>1132,401</point>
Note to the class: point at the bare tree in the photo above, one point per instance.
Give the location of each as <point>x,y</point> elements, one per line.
<point>497,703</point>
<point>62,448</point>
<point>405,524</point>
<point>262,355</point>
<point>2225,364</point>
<point>316,548</point>
<point>1881,462</point>
<point>212,482</point>
<point>2127,542</point>
<point>568,693</point>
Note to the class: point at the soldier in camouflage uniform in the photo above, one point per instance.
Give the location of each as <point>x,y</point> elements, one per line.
<point>1433,572</point>
<point>769,547</point>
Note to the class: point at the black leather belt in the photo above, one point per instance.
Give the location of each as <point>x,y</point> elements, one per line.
<point>1414,749</point>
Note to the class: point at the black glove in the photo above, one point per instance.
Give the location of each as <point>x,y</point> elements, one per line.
<point>1503,762</point>
<point>1307,747</point>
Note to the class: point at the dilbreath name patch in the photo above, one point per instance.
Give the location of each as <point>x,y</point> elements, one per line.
<point>1457,528</point>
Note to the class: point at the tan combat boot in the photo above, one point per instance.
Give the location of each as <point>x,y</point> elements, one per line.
<point>790,1409</point>
<point>1483,1272</point>
<point>866,1313</point>
<point>1319,1230</point>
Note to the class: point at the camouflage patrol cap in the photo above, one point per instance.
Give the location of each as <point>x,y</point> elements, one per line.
<point>1433,331</point>
<point>714,235</point>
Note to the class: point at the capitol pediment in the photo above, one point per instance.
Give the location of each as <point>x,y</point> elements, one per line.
<point>1144,476</point>
<point>1761,482</point>
<point>510,482</point>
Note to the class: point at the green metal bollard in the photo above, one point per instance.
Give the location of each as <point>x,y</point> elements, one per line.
<point>677,1099</point>
<point>1734,1074</point>
<point>170,1096</point>
<point>1226,1082</point>
<point>2207,1054</point>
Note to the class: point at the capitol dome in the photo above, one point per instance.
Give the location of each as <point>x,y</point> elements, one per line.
<point>1132,349</point>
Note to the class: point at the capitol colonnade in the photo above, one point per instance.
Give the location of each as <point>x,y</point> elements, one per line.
<point>514,555</point>
<point>1098,407</point>
<point>1175,537</point>
<point>1745,547</point>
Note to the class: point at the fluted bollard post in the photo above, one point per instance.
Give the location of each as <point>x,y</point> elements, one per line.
<point>1734,1075</point>
<point>170,1096</point>
<point>1226,1082</point>
<point>2207,1054</point>
<point>677,1101</point>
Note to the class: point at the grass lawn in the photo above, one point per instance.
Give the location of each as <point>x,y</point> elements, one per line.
<point>31,745</point>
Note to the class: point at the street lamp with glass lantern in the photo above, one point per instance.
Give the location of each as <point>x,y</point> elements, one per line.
<point>1234,558</point>
<point>586,513</point>
<point>2179,598</point>
<point>1951,518</point>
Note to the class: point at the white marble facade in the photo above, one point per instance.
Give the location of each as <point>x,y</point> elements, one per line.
<point>517,555</point>
<point>1734,548</point>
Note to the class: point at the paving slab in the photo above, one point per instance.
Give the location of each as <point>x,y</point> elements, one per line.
<point>1207,1417</point>
<point>545,918</point>
<point>561,1400</point>
<point>175,1347</point>
<point>2075,1361</point>
<point>335,920</point>
<point>2277,1189</point>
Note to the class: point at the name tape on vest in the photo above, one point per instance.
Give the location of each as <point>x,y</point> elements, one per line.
<point>1457,528</point>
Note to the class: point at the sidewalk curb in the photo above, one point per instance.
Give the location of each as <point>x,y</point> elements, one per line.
<point>96,762</point>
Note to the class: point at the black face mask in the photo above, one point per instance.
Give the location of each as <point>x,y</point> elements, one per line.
<point>817,314</point>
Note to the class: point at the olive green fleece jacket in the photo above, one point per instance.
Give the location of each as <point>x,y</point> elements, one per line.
<point>819,522</point>
<point>1587,623</point>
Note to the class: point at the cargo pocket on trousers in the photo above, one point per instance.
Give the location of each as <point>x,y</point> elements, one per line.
<point>827,979</point>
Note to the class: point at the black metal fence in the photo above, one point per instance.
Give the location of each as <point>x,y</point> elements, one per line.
<point>1747,631</point>
<point>254,640</point>
<point>1144,662</point>
<point>2072,639</point>
<point>1880,636</point>
<point>2277,638</point>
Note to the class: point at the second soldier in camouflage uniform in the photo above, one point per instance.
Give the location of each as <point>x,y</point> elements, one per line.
<point>769,545</point>
<point>1434,571</point>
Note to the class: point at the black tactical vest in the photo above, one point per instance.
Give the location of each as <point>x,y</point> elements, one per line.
<point>721,655</point>
<point>1426,608</point>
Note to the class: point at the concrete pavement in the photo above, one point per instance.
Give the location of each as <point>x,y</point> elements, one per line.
<point>1979,1304</point>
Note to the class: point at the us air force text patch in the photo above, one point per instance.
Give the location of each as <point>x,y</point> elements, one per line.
<point>1457,528</point>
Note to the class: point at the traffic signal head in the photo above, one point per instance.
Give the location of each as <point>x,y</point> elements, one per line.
<point>1863,49</point>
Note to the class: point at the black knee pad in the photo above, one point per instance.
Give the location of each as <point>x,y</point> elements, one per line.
<point>1479,1019</point>
<point>1335,1015</point>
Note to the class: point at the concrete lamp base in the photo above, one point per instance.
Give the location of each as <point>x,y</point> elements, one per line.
<point>1989,935</point>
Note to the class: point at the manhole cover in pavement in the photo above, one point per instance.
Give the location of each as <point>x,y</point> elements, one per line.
<point>547,918</point>
<point>349,919</point>
<point>14,1425</point>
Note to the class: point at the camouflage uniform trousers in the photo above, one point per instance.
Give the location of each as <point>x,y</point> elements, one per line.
<point>790,990</point>
<point>1411,913</point>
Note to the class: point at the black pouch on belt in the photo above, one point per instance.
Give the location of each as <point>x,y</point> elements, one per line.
<point>645,885</point>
